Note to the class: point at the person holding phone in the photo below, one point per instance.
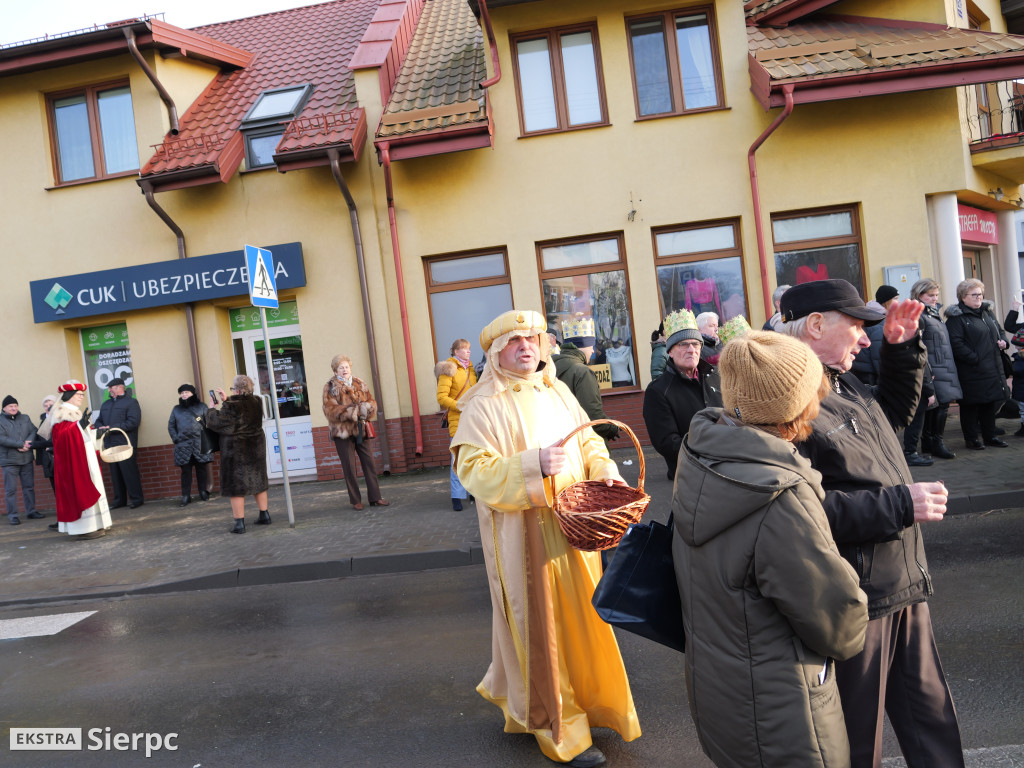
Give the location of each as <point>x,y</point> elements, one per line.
<point>243,449</point>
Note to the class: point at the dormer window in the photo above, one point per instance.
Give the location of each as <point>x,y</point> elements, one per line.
<point>264,124</point>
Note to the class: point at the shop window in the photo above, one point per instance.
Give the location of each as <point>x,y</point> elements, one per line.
<point>107,355</point>
<point>700,268</point>
<point>558,80</point>
<point>588,277</point>
<point>818,245</point>
<point>466,291</point>
<point>93,133</point>
<point>674,57</point>
<point>264,124</point>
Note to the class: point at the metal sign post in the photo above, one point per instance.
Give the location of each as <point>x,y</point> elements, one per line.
<point>263,294</point>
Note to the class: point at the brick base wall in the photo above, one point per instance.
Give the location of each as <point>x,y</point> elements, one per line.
<point>161,479</point>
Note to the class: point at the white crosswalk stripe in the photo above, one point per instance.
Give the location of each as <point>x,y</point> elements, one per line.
<point>38,626</point>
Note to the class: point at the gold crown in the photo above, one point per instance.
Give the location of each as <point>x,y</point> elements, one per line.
<point>681,320</point>
<point>733,329</point>
<point>578,327</point>
<point>513,320</point>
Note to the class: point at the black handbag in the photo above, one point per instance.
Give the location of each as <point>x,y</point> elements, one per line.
<point>638,592</point>
<point>209,441</point>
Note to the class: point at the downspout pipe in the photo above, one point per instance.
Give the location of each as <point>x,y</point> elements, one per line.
<point>172,111</point>
<point>393,223</point>
<point>357,238</point>
<point>193,347</point>
<point>493,46</point>
<point>755,193</point>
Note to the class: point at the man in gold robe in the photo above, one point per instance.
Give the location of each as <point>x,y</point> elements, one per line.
<point>556,670</point>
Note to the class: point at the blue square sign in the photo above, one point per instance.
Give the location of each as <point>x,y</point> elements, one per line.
<point>262,290</point>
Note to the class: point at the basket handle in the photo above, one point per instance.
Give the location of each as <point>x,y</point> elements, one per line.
<point>627,430</point>
<point>99,443</point>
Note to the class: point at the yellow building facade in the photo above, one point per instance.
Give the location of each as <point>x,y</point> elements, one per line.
<point>610,167</point>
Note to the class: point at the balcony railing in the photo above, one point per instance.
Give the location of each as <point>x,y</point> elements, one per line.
<point>995,114</point>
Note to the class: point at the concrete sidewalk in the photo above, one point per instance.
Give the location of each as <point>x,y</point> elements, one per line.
<point>163,548</point>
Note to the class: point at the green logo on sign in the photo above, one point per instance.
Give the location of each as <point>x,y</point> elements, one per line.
<point>58,298</point>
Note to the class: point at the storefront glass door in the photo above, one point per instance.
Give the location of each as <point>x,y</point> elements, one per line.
<point>289,371</point>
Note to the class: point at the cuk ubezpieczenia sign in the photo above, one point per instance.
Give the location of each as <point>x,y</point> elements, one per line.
<point>143,286</point>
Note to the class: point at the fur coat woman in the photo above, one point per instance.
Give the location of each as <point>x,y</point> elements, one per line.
<point>243,446</point>
<point>346,405</point>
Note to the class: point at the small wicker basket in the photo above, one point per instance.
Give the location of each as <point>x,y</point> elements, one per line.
<point>593,515</point>
<point>115,453</point>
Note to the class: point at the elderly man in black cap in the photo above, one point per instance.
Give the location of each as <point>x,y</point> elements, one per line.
<point>874,511</point>
<point>16,435</point>
<point>121,411</point>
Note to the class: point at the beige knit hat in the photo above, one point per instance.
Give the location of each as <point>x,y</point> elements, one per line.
<point>768,378</point>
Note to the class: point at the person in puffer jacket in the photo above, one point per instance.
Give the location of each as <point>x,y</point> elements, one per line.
<point>768,601</point>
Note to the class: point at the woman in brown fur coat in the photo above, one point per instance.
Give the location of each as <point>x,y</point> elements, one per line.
<point>347,401</point>
<point>243,450</point>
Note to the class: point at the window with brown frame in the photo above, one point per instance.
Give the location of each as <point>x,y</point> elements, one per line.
<point>700,268</point>
<point>466,291</point>
<point>92,130</point>
<point>675,62</point>
<point>818,245</point>
<point>587,277</point>
<point>558,79</point>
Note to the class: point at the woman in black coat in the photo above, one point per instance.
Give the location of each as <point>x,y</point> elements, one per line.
<point>942,365</point>
<point>243,450</point>
<point>185,427</point>
<point>978,345</point>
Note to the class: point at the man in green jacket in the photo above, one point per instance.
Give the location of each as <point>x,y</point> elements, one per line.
<point>572,370</point>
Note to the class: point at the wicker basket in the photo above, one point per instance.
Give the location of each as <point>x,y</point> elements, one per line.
<point>115,453</point>
<point>593,515</point>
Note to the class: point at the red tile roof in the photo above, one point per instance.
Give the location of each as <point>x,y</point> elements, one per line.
<point>314,45</point>
<point>840,57</point>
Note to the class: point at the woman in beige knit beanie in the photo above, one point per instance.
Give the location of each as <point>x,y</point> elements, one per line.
<point>770,382</point>
<point>768,601</point>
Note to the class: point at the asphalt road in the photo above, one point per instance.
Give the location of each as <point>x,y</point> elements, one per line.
<point>381,671</point>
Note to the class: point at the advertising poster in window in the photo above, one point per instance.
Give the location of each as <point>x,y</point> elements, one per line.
<point>108,355</point>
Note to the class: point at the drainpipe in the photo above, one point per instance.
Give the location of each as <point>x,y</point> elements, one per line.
<point>357,238</point>
<point>755,193</point>
<point>493,45</point>
<point>393,222</point>
<point>147,190</point>
<point>172,111</point>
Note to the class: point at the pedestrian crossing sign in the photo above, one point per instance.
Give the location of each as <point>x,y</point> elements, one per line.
<point>262,289</point>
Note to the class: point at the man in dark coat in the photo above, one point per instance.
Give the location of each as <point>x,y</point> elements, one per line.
<point>17,434</point>
<point>688,385</point>
<point>571,368</point>
<point>122,411</point>
<point>874,513</point>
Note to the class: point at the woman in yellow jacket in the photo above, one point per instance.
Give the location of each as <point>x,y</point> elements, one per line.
<point>454,378</point>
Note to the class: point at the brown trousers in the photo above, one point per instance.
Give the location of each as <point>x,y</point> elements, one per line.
<point>345,449</point>
<point>898,673</point>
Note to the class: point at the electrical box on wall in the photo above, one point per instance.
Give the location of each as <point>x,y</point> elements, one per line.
<point>902,278</point>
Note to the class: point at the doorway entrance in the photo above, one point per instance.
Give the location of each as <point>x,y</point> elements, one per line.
<point>290,378</point>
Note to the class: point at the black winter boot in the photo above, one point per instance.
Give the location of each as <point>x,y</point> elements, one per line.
<point>264,518</point>
<point>457,504</point>
<point>185,500</point>
<point>239,526</point>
